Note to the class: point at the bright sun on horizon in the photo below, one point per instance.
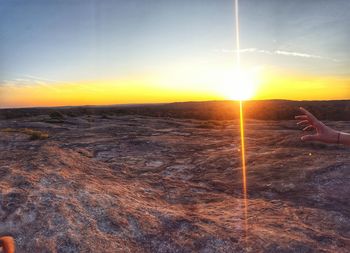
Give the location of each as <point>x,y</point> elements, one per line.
<point>239,84</point>
<point>134,52</point>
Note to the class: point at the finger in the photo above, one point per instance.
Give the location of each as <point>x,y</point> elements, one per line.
<point>309,114</point>
<point>308,128</point>
<point>310,138</point>
<point>303,122</point>
<point>301,117</point>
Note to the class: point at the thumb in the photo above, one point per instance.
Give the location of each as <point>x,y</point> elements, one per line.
<point>310,138</point>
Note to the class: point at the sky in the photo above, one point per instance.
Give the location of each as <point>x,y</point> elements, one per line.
<point>79,52</point>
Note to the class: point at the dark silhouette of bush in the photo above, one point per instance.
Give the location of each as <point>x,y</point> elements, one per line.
<point>56,115</point>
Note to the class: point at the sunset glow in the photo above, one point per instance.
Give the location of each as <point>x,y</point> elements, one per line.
<point>238,85</point>
<point>212,85</point>
<point>101,54</point>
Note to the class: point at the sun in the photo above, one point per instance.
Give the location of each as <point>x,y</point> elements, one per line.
<point>238,84</point>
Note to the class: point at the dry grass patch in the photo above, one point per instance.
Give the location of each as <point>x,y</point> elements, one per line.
<point>33,134</point>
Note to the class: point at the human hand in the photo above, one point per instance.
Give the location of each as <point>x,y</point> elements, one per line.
<point>323,132</point>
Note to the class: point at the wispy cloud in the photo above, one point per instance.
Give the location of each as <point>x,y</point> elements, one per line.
<point>245,50</point>
<point>276,52</point>
<point>28,81</point>
<point>297,54</point>
<point>42,79</point>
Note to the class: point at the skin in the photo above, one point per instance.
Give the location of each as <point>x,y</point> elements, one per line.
<point>323,133</point>
<point>8,244</point>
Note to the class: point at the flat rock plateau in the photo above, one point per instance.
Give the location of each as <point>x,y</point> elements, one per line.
<point>146,184</point>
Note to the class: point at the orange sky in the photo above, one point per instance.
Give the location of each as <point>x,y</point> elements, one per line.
<point>100,54</point>
<point>193,85</point>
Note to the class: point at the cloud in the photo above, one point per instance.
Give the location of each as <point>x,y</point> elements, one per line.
<point>42,79</point>
<point>245,50</point>
<point>29,81</point>
<point>303,55</point>
<point>276,52</point>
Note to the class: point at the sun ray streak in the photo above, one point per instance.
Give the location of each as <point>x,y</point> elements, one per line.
<point>244,169</point>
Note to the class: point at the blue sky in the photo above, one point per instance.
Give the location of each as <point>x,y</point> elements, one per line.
<point>81,39</point>
<point>67,41</point>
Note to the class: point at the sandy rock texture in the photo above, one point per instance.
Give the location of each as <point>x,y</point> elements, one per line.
<point>144,184</point>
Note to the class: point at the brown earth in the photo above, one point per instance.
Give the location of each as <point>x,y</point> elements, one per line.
<point>336,110</point>
<point>143,184</point>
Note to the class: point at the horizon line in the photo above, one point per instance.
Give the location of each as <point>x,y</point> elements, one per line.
<point>164,103</point>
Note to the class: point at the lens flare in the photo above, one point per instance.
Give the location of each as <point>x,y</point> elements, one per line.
<point>244,169</point>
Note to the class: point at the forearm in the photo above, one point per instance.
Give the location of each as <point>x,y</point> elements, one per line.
<point>344,138</point>
<point>333,136</point>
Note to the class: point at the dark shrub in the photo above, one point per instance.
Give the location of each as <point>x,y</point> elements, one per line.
<point>56,115</point>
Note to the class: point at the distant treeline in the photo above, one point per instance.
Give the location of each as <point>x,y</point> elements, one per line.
<point>210,110</point>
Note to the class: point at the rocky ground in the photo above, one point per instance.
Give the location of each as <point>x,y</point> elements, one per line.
<point>143,184</point>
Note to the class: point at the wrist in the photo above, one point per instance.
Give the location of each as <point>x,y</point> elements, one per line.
<point>338,138</point>
<point>334,137</point>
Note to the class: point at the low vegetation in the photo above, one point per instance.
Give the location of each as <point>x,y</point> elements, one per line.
<point>33,134</point>
<point>36,135</point>
<point>210,110</point>
<point>55,117</point>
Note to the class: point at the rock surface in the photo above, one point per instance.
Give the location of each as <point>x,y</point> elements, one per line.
<point>143,184</point>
